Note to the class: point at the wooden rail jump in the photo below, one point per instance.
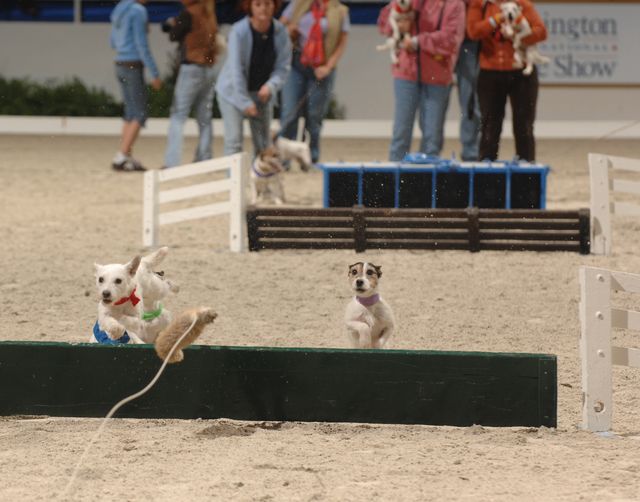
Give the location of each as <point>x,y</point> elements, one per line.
<point>470,229</point>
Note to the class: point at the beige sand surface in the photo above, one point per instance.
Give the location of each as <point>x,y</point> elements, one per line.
<point>62,209</point>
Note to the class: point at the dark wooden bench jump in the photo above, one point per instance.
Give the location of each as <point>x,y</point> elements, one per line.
<point>470,229</point>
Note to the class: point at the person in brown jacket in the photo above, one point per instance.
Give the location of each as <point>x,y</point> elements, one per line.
<point>498,79</point>
<point>195,28</point>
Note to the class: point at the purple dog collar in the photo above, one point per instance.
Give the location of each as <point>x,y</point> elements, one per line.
<point>258,173</point>
<point>367,301</point>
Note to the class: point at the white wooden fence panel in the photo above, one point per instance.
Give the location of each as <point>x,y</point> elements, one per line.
<point>194,191</point>
<point>621,356</point>
<point>197,168</point>
<point>595,349</point>
<point>237,198</point>
<point>625,209</point>
<point>625,186</point>
<point>600,210</point>
<point>236,167</point>
<point>624,163</point>
<point>622,281</point>
<point>150,221</point>
<point>597,355</point>
<point>626,319</point>
<point>194,213</point>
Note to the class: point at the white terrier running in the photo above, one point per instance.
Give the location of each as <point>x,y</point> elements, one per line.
<point>129,310</point>
<point>368,317</point>
<point>118,309</point>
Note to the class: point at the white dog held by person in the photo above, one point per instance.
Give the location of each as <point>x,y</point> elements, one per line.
<point>514,26</point>
<point>369,319</point>
<point>401,15</point>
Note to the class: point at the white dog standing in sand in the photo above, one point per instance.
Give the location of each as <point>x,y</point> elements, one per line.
<point>289,149</point>
<point>369,319</point>
<point>266,177</point>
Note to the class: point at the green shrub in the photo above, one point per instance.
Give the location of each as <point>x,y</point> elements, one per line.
<point>69,98</point>
<point>72,98</point>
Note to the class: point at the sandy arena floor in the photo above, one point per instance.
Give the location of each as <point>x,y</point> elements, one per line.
<point>62,209</point>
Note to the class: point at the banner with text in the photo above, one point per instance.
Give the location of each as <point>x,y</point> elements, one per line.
<point>590,43</point>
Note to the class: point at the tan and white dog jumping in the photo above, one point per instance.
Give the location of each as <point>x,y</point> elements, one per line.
<point>369,319</point>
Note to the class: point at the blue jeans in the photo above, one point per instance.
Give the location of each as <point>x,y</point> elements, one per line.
<point>303,95</point>
<point>430,101</point>
<point>134,92</point>
<point>467,76</point>
<point>195,88</point>
<point>260,125</point>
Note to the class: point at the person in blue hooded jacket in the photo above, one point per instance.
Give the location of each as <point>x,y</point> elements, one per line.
<point>129,39</point>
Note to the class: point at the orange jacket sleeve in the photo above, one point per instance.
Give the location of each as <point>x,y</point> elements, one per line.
<point>477,27</point>
<point>535,21</point>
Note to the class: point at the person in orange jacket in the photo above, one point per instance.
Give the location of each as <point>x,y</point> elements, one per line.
<point>499,80</point>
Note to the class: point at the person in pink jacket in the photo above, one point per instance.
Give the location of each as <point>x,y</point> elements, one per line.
<point>423,75</point>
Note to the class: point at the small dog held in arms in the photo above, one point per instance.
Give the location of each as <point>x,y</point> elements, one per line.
<point>266,177</point>
<point>369,319</point>
<point>129,310</point>
<point>515,26</point>
<point>400,12</point>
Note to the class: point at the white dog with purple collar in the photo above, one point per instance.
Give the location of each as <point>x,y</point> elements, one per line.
<point>369,319</point>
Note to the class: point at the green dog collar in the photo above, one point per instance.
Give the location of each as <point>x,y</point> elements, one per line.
<point>150,316</point>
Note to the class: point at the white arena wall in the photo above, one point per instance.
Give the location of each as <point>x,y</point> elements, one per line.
<point>364,85</point>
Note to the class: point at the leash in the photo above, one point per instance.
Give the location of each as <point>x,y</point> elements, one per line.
<point>118,405</point>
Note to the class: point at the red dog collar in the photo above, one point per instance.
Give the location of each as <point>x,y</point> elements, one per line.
<point>132,298</point>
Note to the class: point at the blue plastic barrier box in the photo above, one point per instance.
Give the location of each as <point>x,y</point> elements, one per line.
<point>420,181</point>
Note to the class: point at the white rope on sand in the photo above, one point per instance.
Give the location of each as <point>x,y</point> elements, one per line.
<point>118,406</point>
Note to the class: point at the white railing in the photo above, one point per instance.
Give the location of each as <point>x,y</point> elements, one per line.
<point>597,318</point>
<point>602,205</point>
<point>237,167</point>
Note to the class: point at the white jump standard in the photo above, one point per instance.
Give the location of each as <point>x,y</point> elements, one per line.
<point>237,166</point>
<point>597,317</point>
<point>601,204</point>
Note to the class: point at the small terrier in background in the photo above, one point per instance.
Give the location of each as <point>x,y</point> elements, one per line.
<point>369,319</point>
<point>266,177</point>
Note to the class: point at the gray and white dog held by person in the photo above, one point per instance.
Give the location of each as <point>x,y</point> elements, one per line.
<point>369,319</point>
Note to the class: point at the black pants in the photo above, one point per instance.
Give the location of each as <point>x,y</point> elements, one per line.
<point>493,89</point>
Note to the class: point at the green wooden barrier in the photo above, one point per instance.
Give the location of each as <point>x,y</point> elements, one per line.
<point>259,383</point>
